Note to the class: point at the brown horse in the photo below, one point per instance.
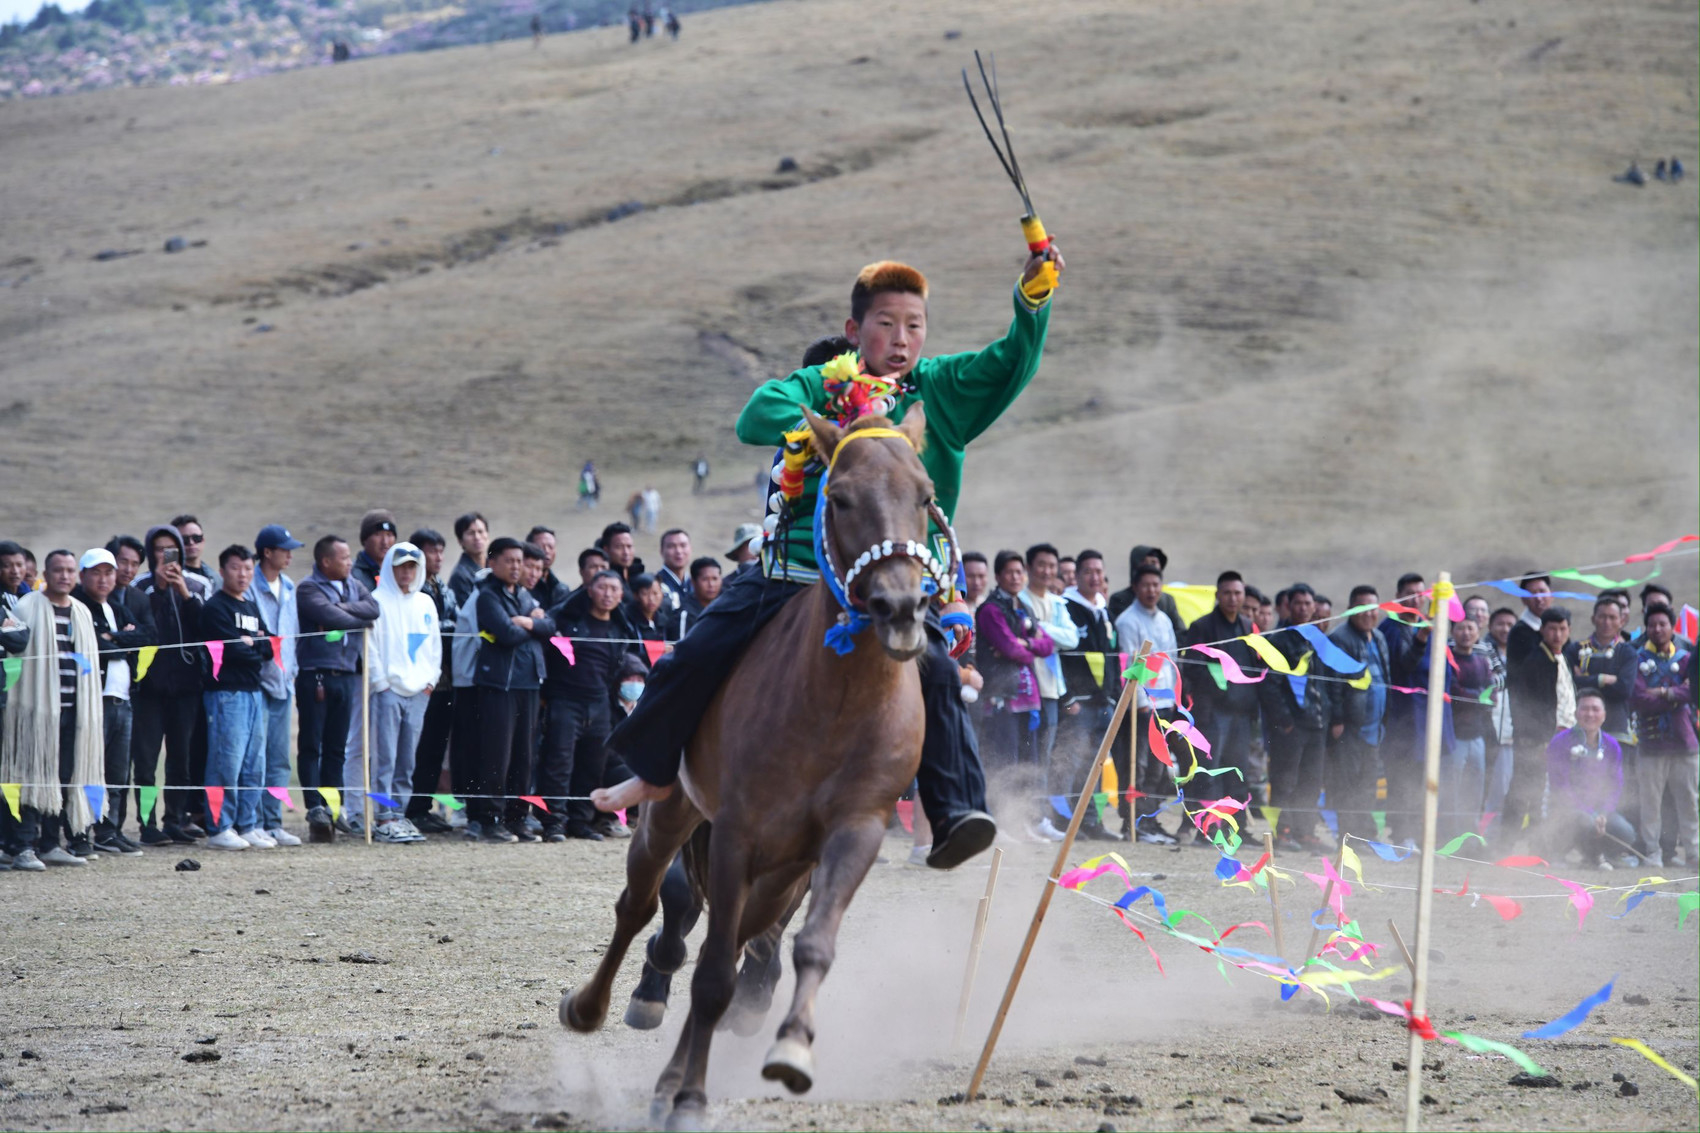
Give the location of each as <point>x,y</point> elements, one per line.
<point>797,763</point>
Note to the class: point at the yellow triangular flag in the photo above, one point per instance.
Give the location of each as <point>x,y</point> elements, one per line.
<point>12,791</point>
<point>333,799</point>
<point>1095,662</point>
<point>1361,681</point>
<point>1111,785</point>
<point>1272,815</point>
<point>1265,649</point>
<point>1349,863</point>
<point>144,658</point>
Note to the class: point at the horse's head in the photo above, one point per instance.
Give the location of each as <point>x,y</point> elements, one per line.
<point>876,500</point>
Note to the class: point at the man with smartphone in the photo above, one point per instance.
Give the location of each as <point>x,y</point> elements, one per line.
<point>166,701</point>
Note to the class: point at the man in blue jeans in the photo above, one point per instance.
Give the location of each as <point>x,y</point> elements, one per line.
<point>273,592</point>
<point>236,710</point>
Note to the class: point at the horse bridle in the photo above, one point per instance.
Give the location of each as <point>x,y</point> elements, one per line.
<point>936,573</point>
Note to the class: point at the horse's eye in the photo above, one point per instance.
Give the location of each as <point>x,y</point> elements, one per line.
<point>841,502</point>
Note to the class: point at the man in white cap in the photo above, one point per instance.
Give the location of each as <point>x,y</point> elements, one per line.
<point>121,634</point>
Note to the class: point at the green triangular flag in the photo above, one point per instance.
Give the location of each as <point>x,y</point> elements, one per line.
<point>450,801</point>
<point>1216,675</point>
<point>1101,800</point>
<point>1380,817</point>
<point>1137,672</point>
<point>334,635</point>
<point>147,796</point>
<point>14,670</point>
<point>1457,843</point>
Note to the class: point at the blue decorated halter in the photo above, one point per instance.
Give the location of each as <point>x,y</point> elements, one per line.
<point>936,572</point>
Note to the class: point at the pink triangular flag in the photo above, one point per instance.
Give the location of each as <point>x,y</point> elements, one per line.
<point>277,652</point>
<point>565,645</point>
<point>216,648</point>
<point>906,814</point>
<point>281,794</point>
<point>537,800</point>
<point>655,649</point>
<point>621,815</point>
<point>215,799</point>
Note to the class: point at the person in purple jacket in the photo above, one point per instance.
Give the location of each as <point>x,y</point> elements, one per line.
<point>1584,783</point>
<point>1011,642</point>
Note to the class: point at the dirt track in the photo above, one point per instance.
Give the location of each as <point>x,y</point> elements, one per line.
<point>114,973</point>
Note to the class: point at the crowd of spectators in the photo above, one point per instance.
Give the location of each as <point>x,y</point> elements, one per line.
<point>478,698</point>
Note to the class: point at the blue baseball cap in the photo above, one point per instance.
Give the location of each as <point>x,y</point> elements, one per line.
<point>274,537</point>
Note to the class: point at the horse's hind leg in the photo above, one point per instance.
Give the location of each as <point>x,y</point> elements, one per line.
<point>666,952</point>
<point>845,858</point>
<point>662,830</point>
<point>760,972</point>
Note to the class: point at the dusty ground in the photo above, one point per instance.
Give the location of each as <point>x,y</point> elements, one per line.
<point>114,973</point>
<point>1351,289</point>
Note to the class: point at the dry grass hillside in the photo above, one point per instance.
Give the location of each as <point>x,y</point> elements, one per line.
<point>1350,286</point>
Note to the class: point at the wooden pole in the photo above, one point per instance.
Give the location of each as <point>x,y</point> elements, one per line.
<point>1437,643</point>
<point>980,916</point>
<point>1063,849</point>
<point>1274,897</point>
<point>1410,962</point>
<point>1327,895</point>
<point>366,729</point>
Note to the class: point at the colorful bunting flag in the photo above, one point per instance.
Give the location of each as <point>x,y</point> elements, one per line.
<point>382,800</point>
<point>83,666</point>
<point>216,649</point>
<point>564,645</point>
<point>1572,1019</point>
<point>1095,665</point>
<point>96,795</point>
<point>655,650</point>
<point>334,636</point>
<point>414,641</point>
<point>144,659</point>
<point>277,652</point>
<point>12,792</point>
<point>1650,1055</point>
<point>281,794</point>
<point>449,802</point>
<point>906,814</point>
<point>14,667</point>
<point>146,797</point>
<point>536,801</point>
<point>215,802</point>
<point>333,799</point>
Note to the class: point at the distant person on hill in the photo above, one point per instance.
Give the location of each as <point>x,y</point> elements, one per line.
<point>649,508</point>
<point>673,30</point>
<point>648,22</point>
<point>699,470</point>
<point>589,487</point>
<point>536,30</point>
<point>635,23</point>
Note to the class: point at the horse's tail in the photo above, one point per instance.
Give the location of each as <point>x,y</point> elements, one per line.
<point>695,856</point>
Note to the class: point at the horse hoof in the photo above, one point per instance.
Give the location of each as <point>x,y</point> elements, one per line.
<point>645,1014</point>
<point>743,1022</point>
<point>572,1017</point>
<point>659,1109</point>
<point>792,1063</point>
<point>684,1119</point>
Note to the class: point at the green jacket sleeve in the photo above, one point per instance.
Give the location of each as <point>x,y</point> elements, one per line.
<point>772,408</point>
<point>965,393</point>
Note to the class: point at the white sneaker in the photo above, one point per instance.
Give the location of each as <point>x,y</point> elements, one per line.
<point>59,855</point>
<point>410,832</point>
<point>1046,830</point>
<point>918,855</point>
<point>282,837</point>
<point>456,818</point>
<point>259,839</point>
<point>390,831</point>
<point>27,862</point>
<point>227,840</point>
<point>1604,863</point>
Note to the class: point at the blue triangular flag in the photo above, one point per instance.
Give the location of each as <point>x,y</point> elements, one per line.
<point>96,793</point>
<point>414,641</point>
<point>83,666</point>
<point>383,799</point>
<point>1061,805</point>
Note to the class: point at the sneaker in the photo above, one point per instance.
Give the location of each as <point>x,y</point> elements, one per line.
<point>532,825</point>
<point>495,834</point>
<point>82,847</point>
<point>351,826</point>
<point>390,832</point>
<point>282,837</point>
<point>524,833</point>
<point>1047,830</point>
<point>112,842</point>
<point>1604,863</point>
<point>1629,861</point>
<point>410,831</point>
<point>472,832</point>
<point>179,836</point>
<point>259,839</point>
<point>458,819</point>
<point>966,836</point>
<point>1156,838</point>
<point>154,836</point>
<point>193,831</point>
<point>5,860</point>
<point>227,840</point>
<point>611,827</point>
<point>553,833</point>
<point>58,855</point>
<point>1657,861</point>
<point>319,827</point>
<point>28,862</point>
<point>583,831</point>
<point>429,823</point>
<point>918,855</point>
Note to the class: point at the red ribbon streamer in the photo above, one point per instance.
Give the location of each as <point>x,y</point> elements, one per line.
<point>1420,1024</point>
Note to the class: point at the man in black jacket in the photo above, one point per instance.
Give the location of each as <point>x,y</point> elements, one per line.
<point>1526,634</point>
<point>1543,701</point>
<point>166,700</point>
<point>580,693</point>
<point>621,549</point>
<point>1143,555</point>
<point>508,674</point>
<point>1227,715</point>
<point>550,591</point>
<point>237,643</point>
<point>1355,731</point>
<point>120,638</point>
<point>1092,688</point>
<point>1295,724</point>
<point>328,601</point>
<point>377,536</point>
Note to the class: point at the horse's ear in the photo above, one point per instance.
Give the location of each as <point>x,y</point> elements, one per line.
<point>914,425</point>
<point>827,435</point>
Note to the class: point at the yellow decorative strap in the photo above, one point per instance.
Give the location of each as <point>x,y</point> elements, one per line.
<point>1443,593</point>
<point>860,434</point>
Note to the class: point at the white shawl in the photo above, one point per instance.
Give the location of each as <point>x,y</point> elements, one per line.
<point>32,717</point>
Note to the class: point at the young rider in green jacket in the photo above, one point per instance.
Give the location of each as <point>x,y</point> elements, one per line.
<point>964,394</point>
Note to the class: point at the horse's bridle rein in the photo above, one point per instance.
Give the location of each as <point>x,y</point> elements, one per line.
<point>937,574</point>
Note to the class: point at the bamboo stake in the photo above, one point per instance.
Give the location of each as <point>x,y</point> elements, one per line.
<point>1327,895</point>
<point>366,729</point>
<point>1063,848</point>
<point>1274,896</point>
<point>980,916</point>
<point>1400,941</point>
<point>1437,641</point>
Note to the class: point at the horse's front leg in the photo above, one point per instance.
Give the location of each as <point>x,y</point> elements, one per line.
<point>849,851</point>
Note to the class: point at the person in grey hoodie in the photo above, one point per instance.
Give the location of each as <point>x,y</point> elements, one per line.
<point>328,602</point>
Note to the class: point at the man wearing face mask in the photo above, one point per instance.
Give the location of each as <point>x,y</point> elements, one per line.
<point>580,697</point>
